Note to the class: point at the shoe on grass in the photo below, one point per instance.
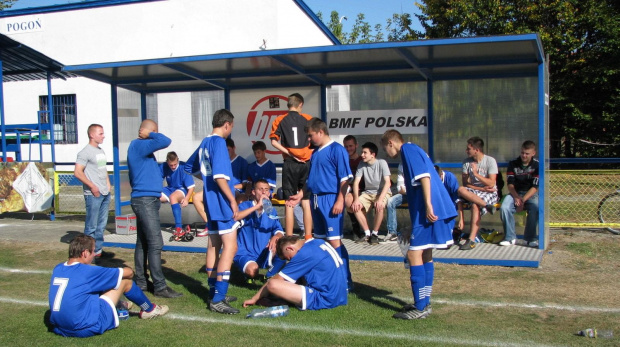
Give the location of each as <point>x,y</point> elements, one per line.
<point>159,310</point>
<point>222,307</point>
<point>364,239</point>
<point>167,293</point>
<point>507,243</point>
<point>390,238</point>
<point>413,313</point>
<point>469,244</point>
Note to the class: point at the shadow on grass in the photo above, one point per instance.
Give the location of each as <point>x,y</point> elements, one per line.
<point>193,286</point>
<point>66,238</point>
<point>378,297</point>
<point>46,321</point>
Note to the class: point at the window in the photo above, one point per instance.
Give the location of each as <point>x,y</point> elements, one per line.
<point>65,117</point>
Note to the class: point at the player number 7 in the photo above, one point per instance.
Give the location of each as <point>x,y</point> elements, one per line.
<point>62,283</point>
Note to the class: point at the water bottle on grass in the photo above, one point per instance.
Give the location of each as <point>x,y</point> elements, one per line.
<point>269,312</point>
<point>596,333</point>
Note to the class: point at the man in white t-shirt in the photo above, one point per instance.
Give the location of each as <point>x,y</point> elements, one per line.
<point>376,175</point>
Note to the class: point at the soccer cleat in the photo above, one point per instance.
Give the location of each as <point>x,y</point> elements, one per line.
<point>159,310</point>
<point>507,243</point>
<point>390,238</point>
<point>533,244</point>
<point>203,233</point>
<point>178,234</point>
<point>374,239</point>
<point>363,239</point>
<point>412,314</point>
<point>230,298</point>
<point>469,244</point>
<point>491,208</point>
<point>408,307</point>
<point>222,307</point>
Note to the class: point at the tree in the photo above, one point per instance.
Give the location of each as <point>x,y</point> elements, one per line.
<point>362,32</point>
<point>582,39</point>
<point>4,4</point>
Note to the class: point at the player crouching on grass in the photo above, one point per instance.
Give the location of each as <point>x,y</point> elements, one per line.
<point>432,213</point>
<point>320,265</point>
<point>83,298</point>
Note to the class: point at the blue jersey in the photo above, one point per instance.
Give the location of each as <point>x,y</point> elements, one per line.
<point>266,171</point>
<point>143,165</point>
<point>211,159</point>
<point>239,169</point>
<point>417,165</point>
<point>452,185</point>
<point>253,237</point>
<point>329,166</point>
<point>319,263</point>
<point>177,178</point>
<point>74,295</point>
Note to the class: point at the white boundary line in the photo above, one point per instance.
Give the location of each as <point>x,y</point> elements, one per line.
<point>26,271</point>
<point>271,324</point>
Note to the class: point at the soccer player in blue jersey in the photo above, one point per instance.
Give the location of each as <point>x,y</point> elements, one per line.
<point>178,190</point>
<point>451,183</point>
<point>212,160</point>
<point>260,231</point>
<point>83,298</point>
<point>432,212</point>
<point>317,262</point>
<point>262,168</point>
<point>328,181</point>
<point>239,169</point>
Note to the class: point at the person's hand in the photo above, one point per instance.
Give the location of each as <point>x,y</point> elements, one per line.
<point>356,206</point>
<point>144,133</point>
<point>430,215</point>
<point>490,189</point>
<point>235,209</point>
<point>474,167</point>
<point>273,242</point>
<point>379,205</point>
<point>293,200</point>
<point>519,202</point>
<point>95,191</point>
<point>338,207</point>
<point>185,202</point>
<point>249,302</point>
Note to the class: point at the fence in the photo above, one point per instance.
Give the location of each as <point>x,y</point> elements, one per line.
<point>69,194</point>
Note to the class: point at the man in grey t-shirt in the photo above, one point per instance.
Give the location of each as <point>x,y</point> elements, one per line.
<point>91,170</point>
<point>376,174</point>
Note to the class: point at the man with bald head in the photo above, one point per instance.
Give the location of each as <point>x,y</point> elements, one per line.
<point>146,188</point>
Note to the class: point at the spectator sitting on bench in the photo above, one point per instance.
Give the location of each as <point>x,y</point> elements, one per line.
<point>479,187</point>
<point>376,175</point>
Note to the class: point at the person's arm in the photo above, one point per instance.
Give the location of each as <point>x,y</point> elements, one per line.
<point>242,214</point>
<point>339,204</point>
<point>279,147</point>
<point>222,183</point>
<point>379,204</point>
<point>426,190</point>
<point>459,210</point>
<point>81,176</point>
<point>158,141</point>
<point>356,205</point>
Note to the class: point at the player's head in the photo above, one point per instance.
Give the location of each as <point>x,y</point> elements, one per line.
<point>317,132</point>
<point>350,144</point>
<point>475,145</point>
<point>259,149</point>
<point>146,127</point>
<point>295,100</point>
<point>223,119</point>
<point>95,133</point>
<point>172,159</point>
<point>82,243</point>
<point>391,141</point>
<point>261,189</point>
<point>286,248</point>
<point>439,171</point>
<point>528,151</point>
<point>369,152</point>
<point>230,145</point>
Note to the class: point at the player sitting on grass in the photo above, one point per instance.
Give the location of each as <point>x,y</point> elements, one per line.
<point>257,238</point>
<point>83,297</point>
<point>320,265</point>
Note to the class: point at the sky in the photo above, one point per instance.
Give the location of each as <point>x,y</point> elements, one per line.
<point>375,11</point>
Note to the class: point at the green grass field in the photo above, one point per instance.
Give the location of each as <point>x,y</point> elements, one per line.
<point>575,288</point>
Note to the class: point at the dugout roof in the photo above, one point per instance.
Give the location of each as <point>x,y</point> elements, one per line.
<point>424,60</point>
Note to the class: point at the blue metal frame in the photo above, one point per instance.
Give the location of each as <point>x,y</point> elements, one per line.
<point>542,155</point>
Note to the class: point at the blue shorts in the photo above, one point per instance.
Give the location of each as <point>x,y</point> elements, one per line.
<point>326,224</point>
<point>108,320</point>
<point>312,299</point>
<point>432,235</point>
<point>263,260</point>
<point>217,227</point>
<point>167,191</point>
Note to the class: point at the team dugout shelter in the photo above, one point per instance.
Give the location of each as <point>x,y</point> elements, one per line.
<point>437,93</point>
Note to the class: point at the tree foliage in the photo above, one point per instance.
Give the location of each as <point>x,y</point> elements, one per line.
<point>4,4</point>
<point>582,39</point>
<point>362,31</point>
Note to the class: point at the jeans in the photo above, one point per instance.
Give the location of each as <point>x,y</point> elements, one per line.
<point>149,242</point>
<point>507,211</point>
<point>96,218</point>
<point>393,202</point>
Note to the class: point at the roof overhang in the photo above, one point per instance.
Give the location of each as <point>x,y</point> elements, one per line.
<point>442,59</point>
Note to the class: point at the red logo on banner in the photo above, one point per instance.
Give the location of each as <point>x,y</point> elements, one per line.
<point>261,117</point>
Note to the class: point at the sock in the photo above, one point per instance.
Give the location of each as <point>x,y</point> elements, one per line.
<point>176,212</point>
<point>429,269</point>
<point>344,255</point>
<point>221,287</point>
<point>417,285</point>
<point>367,232</point>
<point>211,282</point>
<point>136,295</point>
<point>376,233</point>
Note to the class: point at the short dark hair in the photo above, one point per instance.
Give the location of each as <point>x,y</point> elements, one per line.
<point>438,169</point>
<point>260,180</point>
<point>391,135</point>
<point>283,242</point>
<point>92,128</point>
<point>294,100</point>
<point>529,144</point>
<point>230,143</point>
<point>220,117</point>
<point>476,143</point>
<point>371,147</point>
<point>316,124</point>
<point>259,145</point>
<point>172,156</point>
<point>80,244</point>
<point>349,138</point>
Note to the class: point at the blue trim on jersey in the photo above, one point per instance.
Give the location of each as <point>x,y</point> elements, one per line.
<point>329,166</point>
<point>266,171</point>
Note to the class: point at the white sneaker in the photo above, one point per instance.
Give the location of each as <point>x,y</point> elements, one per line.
<point>159,310</point>
<point>507,243</point>
<point>533,244</point>
<point>203,233</point>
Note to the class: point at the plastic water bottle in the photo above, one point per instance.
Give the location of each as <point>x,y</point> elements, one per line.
<point>122,314</point>
<point>597,333</point>
<point>267,206</point>
<point>269,312</point>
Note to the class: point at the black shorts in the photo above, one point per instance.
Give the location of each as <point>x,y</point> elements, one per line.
<point>294,177</point>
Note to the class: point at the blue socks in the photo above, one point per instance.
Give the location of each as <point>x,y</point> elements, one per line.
<point>176,212</point>
<point>136,296</point>
<point>418,284</point>
<point>429,269</point>
<point>211,282</point>
<point>221,287</point>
